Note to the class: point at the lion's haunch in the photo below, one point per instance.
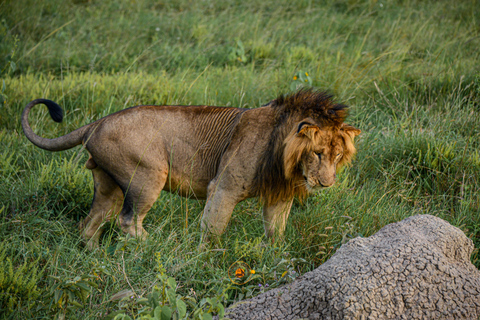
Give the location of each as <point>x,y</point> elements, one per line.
<point>290,147</point>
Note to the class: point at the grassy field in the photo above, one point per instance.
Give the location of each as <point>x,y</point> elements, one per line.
<point>409,70</point>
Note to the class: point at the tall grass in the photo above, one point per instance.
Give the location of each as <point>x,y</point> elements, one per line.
<point>408,69</point>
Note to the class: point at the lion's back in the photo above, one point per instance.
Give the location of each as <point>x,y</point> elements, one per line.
<point>188,141</point>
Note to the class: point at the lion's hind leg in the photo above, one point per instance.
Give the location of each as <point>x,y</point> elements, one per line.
<point>107,200</point>
<point>141,193</point>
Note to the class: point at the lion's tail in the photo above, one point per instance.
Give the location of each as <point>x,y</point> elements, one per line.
<point>61,143</point>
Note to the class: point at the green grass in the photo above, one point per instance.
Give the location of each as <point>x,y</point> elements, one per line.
<point>409,70</point>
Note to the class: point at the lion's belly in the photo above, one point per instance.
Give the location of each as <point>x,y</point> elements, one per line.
<point>191,167</point>
<point>187,186</point>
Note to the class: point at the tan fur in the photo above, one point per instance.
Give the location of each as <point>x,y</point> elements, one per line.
<point>223,155</point>
<point>279,176</point>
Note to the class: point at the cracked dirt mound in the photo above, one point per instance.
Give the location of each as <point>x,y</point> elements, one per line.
<point>418,268</point>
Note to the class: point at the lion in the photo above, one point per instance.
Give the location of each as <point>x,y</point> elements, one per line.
<point>290,147</point>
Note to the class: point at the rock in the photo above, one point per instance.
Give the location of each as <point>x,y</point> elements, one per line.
<point>418,268</point>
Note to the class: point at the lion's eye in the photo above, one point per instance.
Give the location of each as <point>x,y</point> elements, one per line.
<point>319,155</point>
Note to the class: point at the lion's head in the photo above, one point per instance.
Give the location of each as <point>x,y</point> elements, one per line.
<point>318,153</point>
<point>308,146</point>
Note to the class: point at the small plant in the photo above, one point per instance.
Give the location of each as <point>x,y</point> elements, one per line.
<point>300,79</point>
<point>163,303</point>
<point>264,279</point>
<point>209,306</point>
<point>237,52</point>
<point>70,294</point>
<point>18,286</point>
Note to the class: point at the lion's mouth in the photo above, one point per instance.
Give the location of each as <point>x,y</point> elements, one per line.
<point>314,187</point>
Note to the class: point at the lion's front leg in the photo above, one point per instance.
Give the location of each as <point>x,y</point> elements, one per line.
<point>217,213</point>
<point>218,210</point>
<point>275,217</point>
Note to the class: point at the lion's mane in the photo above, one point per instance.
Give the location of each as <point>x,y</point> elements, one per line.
<point>271,184</point>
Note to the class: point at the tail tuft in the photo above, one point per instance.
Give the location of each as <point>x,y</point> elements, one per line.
<point>55,110</point>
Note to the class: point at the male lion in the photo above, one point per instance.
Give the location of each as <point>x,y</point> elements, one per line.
<point>289,147</point>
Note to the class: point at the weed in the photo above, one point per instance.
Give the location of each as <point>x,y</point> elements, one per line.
<point>300,79</point>
<point>70,294</point>
<point>236,53</point>
<point>163,303</point>
<point>18,281</point>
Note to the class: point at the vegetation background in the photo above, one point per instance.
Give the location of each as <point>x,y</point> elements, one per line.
<point>409,70</point>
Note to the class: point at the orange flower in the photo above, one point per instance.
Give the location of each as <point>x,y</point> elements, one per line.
<point>239,273</point>
<point>295,78</point>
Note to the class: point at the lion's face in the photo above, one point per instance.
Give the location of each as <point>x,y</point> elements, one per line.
<point>319,167</point>
<point>318,153</point>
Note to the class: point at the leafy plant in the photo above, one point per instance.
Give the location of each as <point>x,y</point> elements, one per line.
<point>266,278</point>
<point>300,79</point>
<point>18,285</point>
<point>164,303</point>
<point>237,52</point>
<point>70,294</point>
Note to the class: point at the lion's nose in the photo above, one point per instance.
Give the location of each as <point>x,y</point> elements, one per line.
<point>326,183</point>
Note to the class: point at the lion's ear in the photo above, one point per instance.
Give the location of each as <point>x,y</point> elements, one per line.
<point>348,133</point>
<point>307,129</point>
<point>351,131</point>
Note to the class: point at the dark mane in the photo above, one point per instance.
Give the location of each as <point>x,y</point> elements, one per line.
<point>315,104</point>
<point>270,183</point>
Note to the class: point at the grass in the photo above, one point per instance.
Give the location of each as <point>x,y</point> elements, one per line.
<point>408,69</point>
